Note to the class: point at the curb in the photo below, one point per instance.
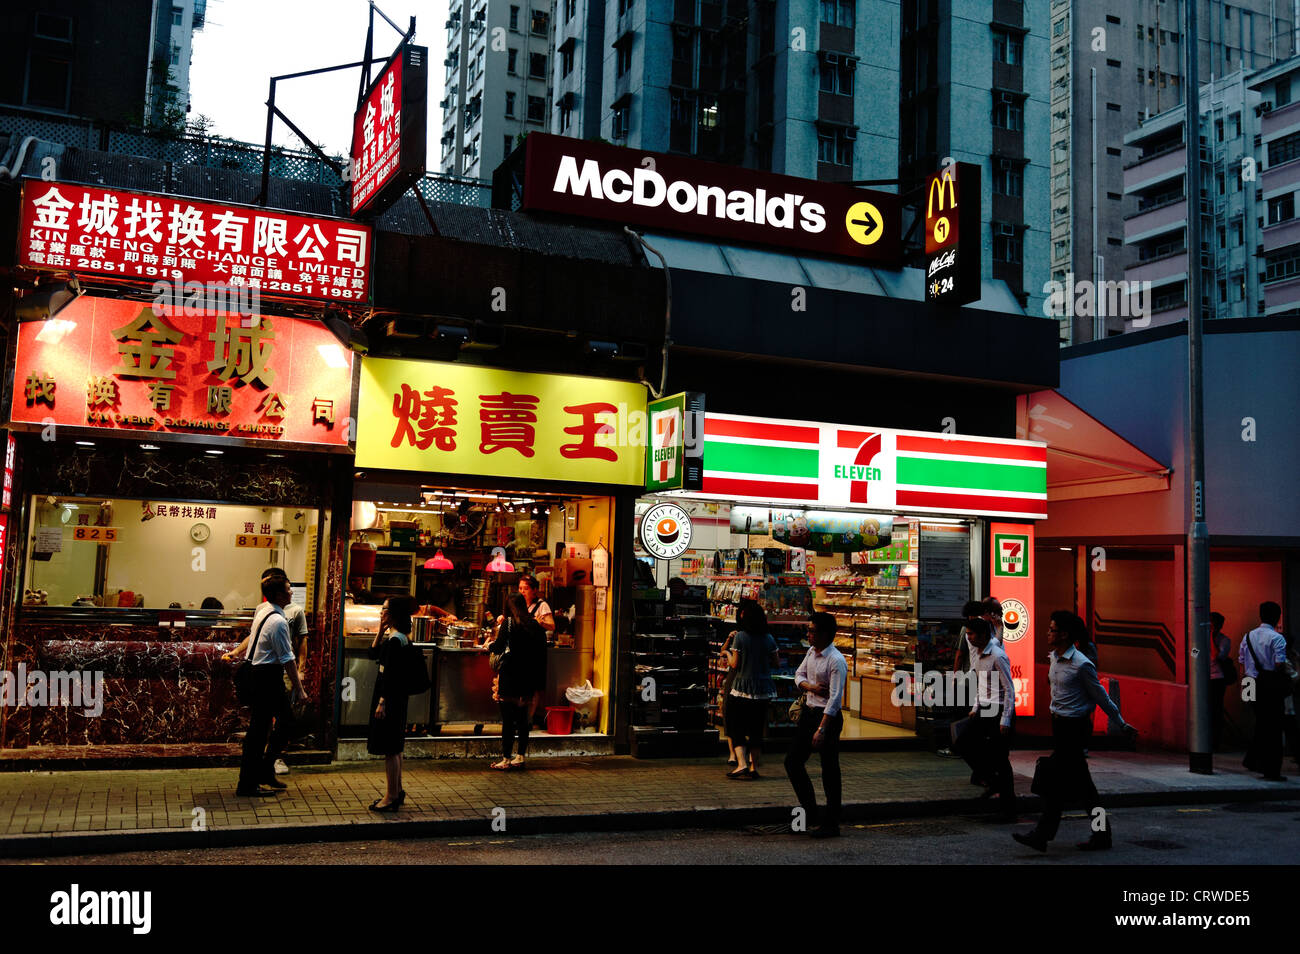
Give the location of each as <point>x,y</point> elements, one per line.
<point>61,844</point>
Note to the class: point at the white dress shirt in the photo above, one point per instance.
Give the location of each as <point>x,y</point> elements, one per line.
<point>1076,688</point>
<point>995,687</point>
<point>1269,646</point>
<point>825,668</point>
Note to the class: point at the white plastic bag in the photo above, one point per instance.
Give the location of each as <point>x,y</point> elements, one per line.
<point>581,695</point>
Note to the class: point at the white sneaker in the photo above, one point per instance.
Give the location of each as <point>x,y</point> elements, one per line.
<point>281,768</point>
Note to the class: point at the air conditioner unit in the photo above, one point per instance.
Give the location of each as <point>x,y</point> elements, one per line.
<point>445,104</point>
<point>1265,107</point>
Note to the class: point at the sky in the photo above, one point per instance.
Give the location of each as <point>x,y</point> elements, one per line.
<point>246,42</point>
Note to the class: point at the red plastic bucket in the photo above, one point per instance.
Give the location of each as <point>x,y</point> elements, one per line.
<point>559,720</point>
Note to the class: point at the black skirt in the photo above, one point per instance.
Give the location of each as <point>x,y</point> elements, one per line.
<point>387,736</point>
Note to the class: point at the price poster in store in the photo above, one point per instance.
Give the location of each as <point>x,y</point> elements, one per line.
<point>260,541</point>
<point>95,534</point>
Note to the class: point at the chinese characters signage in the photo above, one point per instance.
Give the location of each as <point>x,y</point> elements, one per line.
<point>1012,565</point>
<point>388,132</point>
<point>952,210</point>
<point>132,236</point>
<point>600,181</point>
<point>457,419</point>
<point>10,452</point>
<point>108,363</point>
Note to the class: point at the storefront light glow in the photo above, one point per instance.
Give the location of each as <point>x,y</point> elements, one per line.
<point>438,562</point>
<point>55,330</point>
<point>333,355</point>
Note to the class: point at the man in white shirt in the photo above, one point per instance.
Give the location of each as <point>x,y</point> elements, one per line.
<point>1263,660</point>
<point>995,704</point>
<point>270,653</point>
<point>821,677</point>
<point>1075,692</point>
<point>296,616</point>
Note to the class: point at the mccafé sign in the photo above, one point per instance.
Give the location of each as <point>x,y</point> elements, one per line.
<point>653,190</point>
<point>952,210</point>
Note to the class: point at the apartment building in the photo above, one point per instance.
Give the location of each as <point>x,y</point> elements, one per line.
<point>497,82</point>
<point>1278,157</point>
<point>1114,64</point>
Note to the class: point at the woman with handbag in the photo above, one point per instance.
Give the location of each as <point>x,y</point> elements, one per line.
<point>1223,671</point>
<point>387,732</point>
<point>518,655</point>
<point>753,656</point>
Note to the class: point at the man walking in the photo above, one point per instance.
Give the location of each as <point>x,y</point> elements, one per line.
<point>988,752</point>
<point>271,656</point>
<point>1075,691</point>
<point>1263,661</point>
<point>821,677</point>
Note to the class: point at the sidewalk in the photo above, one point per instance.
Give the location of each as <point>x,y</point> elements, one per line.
<point>63,813</point>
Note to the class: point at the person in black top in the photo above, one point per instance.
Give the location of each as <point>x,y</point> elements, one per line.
<point>521,644</point>
<point>387,732</point>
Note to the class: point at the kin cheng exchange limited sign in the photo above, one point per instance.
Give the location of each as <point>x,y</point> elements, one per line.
<point>111,364</point>
<point>657,191</point>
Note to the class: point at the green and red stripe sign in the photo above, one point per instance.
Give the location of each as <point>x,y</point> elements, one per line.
<point>830,465</point>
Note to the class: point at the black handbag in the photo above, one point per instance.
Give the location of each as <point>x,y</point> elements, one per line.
<point>244,686</point>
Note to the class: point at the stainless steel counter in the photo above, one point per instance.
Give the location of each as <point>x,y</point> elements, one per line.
<point>463,687</point>
<point>357,665</point>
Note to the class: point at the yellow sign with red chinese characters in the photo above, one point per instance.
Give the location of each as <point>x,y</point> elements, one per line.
<point>458,419</point>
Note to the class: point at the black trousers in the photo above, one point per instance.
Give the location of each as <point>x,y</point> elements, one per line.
<point>796,764</point>
<point>988,753</point>
<point>1265,752</point>
<point>514,722</point>
<point>1070,769</point>
<point>270,703</point>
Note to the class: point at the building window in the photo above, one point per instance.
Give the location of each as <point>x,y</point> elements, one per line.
<point>536,109</point>
<point>49,81</point>
<point>514,19</point>
<point>1234,125</point>
<point>570,8</point>
<point>1287,266</point>
<point>176,55</point>
<point>1281,209</point>
<point>837,77</point>
<point>1115,63</point>
<point>512,58</point>
<point>1113,151</point>
<point>50,26</point>
<point>510,105</point>
<point>541,23</point>
<point>839,12</point>
<point>1114,196</point>
<point>508,146</point>
<point>1009,180</point>
<point>835,146</point>
<point>178,16</point>
<point>1008,113</point>
<point>566,115</point>
<point>1218,129</point>
<point>1007,249</point>
<point>1112,19</point>
<point>537,66</point>
<point>1282,92</point>
<point>622,121</point>
<point>624,53</point>
<point>624,6</point>
<point>1113,107</point>
<point>1008,48</point>
<point>566,57</point>
<point>1284,149</point>
<point>1238,234</point>
<point>1111,240</point>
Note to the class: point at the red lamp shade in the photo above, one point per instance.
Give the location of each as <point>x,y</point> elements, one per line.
<point>438,562</point>
<point>500,565</point>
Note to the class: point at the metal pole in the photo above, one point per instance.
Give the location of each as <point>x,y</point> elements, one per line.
<point>1096,284</point>
<point>1200,741</point>
<point>265,196</point>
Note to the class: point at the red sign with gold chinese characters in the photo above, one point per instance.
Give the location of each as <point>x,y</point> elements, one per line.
<point>130,236</point>
<point>128,366</point>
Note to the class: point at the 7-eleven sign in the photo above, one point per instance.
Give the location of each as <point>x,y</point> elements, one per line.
<point>672,460</point>
<point>1012,553</point>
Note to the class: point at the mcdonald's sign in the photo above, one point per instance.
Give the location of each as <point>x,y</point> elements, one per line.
<point>952,211</point>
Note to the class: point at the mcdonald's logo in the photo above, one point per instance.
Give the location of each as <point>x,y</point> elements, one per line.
<point>936,190</point>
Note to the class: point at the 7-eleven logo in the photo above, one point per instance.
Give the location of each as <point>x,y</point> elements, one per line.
<point>664,443</point>
<point>860,472</point>
<point>1013,554</point>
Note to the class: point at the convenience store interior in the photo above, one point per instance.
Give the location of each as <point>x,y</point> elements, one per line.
<point>871,592</point>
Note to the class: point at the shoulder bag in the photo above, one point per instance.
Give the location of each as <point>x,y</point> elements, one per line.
<point>415,675</point>
<point>1272,681</point>
<point>244,671</point>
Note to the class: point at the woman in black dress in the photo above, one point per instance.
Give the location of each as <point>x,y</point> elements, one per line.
<point>521,644</point>
<point>387,733</point>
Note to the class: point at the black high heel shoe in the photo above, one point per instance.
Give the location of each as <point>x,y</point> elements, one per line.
<point>401,797</point>
<point>390,808</point>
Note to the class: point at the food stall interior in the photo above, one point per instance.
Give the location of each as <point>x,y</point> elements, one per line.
<point>461,552</point>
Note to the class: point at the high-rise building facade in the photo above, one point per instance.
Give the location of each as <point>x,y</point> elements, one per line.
<point>497,81</point>
<point>1115,63</point>
<point>1278,161</point>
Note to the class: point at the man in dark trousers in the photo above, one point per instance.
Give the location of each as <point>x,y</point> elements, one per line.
<point>987,752</point>
<point>1264,664</point>
<point>1075,691</point>
<point>821,677</point>
<point>271,657</point>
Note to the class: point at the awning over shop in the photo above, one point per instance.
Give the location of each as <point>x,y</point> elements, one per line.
<point>1085,458</point>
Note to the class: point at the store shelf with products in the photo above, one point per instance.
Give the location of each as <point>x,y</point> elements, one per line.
<point>394,573</point>
<point>671,713</point>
